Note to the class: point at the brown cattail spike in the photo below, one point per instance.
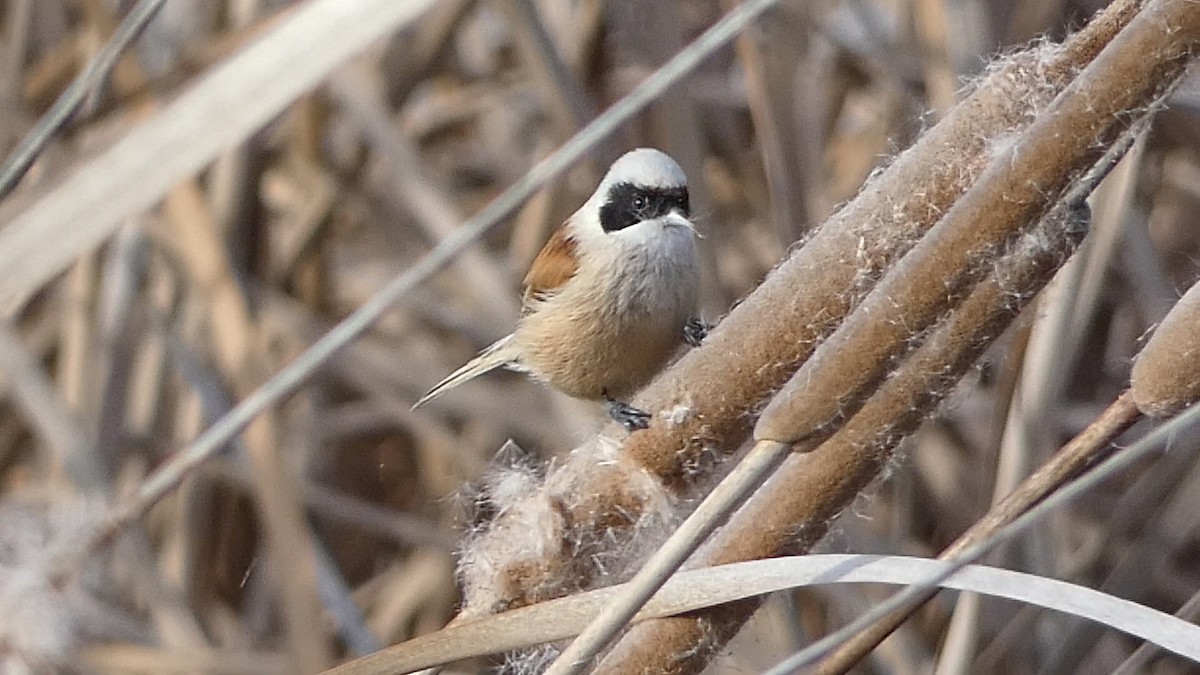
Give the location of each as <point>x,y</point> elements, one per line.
<point>1166,376</point>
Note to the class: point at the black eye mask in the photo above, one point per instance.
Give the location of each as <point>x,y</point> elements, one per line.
<point>630,204</point>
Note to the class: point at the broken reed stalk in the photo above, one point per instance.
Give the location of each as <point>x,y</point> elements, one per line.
<point>569,532</point>
<point>792,511</point>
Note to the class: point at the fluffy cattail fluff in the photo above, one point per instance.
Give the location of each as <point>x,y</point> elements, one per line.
<point>541,539</point>
<point>41,622</point>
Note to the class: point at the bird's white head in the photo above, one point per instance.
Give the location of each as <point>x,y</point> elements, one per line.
<point>646,167</point>
<point>643,193</point>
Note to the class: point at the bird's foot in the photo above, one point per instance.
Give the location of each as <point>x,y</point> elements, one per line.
<point>694,331</point>
<point>628,416</point>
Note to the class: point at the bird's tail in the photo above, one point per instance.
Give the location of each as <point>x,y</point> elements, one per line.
<point>500,353</point>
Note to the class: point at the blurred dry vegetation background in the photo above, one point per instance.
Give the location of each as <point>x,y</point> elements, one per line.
<point>330,528</point>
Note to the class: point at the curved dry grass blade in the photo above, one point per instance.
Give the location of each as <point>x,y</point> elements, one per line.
<point>700,589</point>
<point>1186,423</point>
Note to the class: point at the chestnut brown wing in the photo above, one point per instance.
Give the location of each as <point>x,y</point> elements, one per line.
<point>554,266</point>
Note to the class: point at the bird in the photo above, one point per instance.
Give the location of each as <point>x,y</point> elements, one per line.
<point>612,295</point>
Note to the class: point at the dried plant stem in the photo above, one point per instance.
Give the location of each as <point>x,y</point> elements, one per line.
<point>564,93</point>
<point>1071,460</point>
<point>53,421</point>
<point>19,161</point>
<point>294,564</point>
<point>732,491</point>
<point>781,163</point>
<point>16,41</point>
<point>238,342</point>
<point>434,209</point>
<point>1185,423</point>
<point>1080,452</point>
<point>427,43</point>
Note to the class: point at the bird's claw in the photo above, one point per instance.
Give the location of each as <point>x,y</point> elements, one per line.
<point>694,331</point>
<point>628,416</point>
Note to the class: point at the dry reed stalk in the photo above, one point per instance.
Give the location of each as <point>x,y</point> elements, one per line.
<point>361,97</point>
<point>241,353</point>
<point>1073,458</point>
<point>134,658</point>
<point>605,492</point>
<point>55,424</point>
<point>769,58</point>
<point>118,334</point>
<point>564,93</point>
<point>75,340</point>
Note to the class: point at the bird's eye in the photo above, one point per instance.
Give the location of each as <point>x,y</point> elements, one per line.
<point>639,202</point>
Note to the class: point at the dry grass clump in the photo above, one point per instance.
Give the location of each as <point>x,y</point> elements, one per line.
<point>190,484</point>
